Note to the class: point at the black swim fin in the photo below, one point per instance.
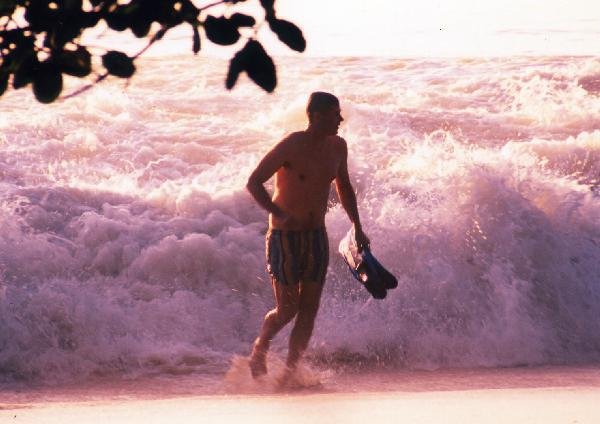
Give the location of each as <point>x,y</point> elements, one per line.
<point>370,279</point>
<point>387,279</point>
<point>366,269</point>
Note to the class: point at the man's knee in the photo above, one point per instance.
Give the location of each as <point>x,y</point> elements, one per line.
<point>287,313</point>
<point>309,303</point>
<point>307,310</point>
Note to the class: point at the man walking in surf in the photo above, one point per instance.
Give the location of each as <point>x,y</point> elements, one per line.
<point>304,164</point>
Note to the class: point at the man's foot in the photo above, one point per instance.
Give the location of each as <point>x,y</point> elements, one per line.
<point>293,379</point>
<point>287,379</point>
<point>258,360</point>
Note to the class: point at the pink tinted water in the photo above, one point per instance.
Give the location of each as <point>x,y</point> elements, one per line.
<point>130,247</point>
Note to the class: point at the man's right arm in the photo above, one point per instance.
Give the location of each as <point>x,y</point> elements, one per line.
<point>265,170</point>
<point>348,198</point>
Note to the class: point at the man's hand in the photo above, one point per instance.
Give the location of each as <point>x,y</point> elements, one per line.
<point>361,238</point>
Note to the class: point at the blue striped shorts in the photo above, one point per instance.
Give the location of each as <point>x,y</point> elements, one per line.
<point>294,256</point>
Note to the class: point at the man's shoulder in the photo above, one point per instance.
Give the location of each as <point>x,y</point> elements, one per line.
<point>295,136</point>
<point>286,142</point>
<point>338,143</point>
<point>291,138</point>
<point>339,140</point>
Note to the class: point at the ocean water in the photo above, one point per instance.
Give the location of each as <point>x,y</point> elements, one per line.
<point>129,246</point>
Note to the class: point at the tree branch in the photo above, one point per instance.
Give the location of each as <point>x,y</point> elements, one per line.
<point>208,6</point>
<point>157,36</point>
<point>47,47</point>
<point>85,87</point>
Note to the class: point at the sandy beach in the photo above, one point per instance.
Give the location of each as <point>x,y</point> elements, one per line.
<point>482,406</point>
<point>517,395</point>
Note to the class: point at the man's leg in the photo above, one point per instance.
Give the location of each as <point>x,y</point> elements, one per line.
<point>310,297</point>
<point>287,297</point>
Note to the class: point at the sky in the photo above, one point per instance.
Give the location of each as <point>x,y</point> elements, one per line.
<point>422,28</point>
<point>447,27</point>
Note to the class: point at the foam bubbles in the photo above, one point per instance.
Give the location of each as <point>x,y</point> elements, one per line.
<point>129,244</point>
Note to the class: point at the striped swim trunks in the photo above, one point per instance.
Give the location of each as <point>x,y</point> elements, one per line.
<point>294,256</point>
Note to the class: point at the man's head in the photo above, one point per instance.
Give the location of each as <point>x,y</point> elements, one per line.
<point>323,112</point>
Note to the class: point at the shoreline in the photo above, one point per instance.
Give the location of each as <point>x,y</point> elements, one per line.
<point>165,387</point>
<point>498,395</point>
<point>481,406</point>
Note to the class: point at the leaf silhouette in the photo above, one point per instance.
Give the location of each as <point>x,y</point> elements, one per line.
<point>221,30</point>
<point>52,29</point>
<point>7,7</point>
<point>3,81</point>
<point>288,33</point>
<point>241,20</point>
<point>25,71</point>
<point>196,42</point>
<point>77,63</point>
<point>269,6</point>
<point>48,82</point>
<point>189,12</point>
<point>140,26</point>
<point>254,60</point>
<point>118,64</point>
<point>236,66</point>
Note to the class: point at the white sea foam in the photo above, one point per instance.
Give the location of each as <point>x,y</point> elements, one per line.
<point>129,244</point>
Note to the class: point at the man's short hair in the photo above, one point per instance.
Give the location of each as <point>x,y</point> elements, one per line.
<point>320,101</point>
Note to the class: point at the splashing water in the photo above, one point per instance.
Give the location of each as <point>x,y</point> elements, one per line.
<point>129,244</point>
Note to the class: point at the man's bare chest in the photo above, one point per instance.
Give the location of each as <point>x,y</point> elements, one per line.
<point>311,167</point>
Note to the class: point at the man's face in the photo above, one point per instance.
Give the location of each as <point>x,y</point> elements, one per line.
<point>329,120</point>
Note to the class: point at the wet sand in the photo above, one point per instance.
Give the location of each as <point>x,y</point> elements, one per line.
<point>481,406</point>
<point>517,395</point>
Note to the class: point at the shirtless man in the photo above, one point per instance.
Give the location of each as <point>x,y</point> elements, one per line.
<point>304,163</point>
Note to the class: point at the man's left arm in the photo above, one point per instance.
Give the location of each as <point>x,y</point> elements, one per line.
<point>348,198</point>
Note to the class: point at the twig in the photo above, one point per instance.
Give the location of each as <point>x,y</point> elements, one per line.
<point>157,36</point>
<point>85,87</point>
<point>208,6</point>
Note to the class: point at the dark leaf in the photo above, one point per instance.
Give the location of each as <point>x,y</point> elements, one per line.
<point>260,67</point>
<point>254,60</point>
<point>89,19</point>
<point>122,17</point>
<point>189,12</point>
<point>236,65</point>
<point>3,81</point>
<point>221,30</point>
<point>7,7</point>
<point>269,6</point>
<point>77,63</point>
<point>61,34</point>
<point>25,72</point>
<point>47,83</point>
<point>118,19</point>
<point>196,45</point>
<point>40,17</point>
<point>288,33</point>
<point>140,26</point>
<point>164,13</point>
<point>118,64</point>
<point>18,38</point>
<point>71,5</point>
<point>241,20</point>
